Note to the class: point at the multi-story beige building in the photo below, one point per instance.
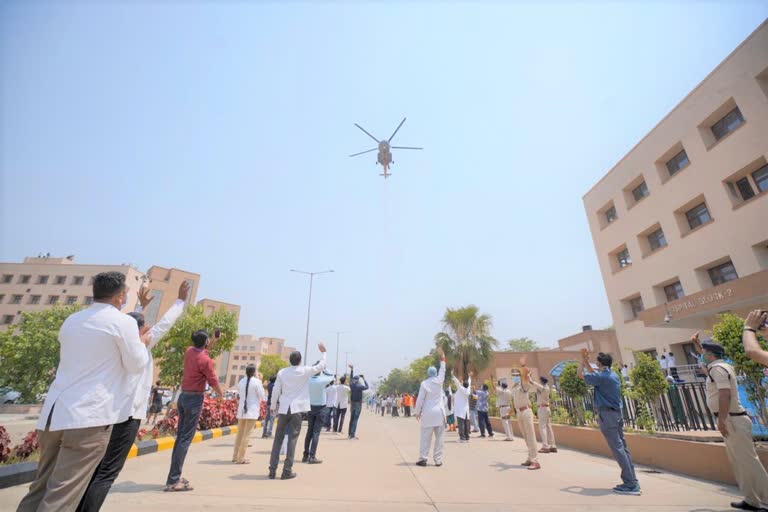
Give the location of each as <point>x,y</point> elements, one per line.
<point>248,349</point>
<point>163,284</point>
<point>43,281</point>
<point>680,224</point>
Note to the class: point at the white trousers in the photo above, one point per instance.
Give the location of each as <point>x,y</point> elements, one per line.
<point>504,410</point>
<point>545,428</point>
<point>529,434</point>
<point>426,440</point>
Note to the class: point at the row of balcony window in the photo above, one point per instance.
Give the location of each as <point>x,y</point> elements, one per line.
<point>52,300</point>
<point>43,279</point>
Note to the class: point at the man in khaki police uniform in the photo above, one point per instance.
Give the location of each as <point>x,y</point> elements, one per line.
<point>736,427</point>
<point>520,396</point>
<point>545,417</point>
<point>504,401</point>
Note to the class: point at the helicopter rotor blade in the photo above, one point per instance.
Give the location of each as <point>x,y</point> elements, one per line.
<point>368,134</point>
<point>404,147</point>
<point>396,130</point>
<point>364,152</point>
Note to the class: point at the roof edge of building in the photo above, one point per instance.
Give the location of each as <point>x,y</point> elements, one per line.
<point>674,109</point>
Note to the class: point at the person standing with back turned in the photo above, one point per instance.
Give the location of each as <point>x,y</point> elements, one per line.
<point>290,398</point>
<point>251,391</point>
<point>356,400</point>
<point>608,402</point>
<point>430,411</point>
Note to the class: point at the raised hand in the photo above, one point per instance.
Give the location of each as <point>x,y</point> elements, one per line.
<point>144,297</point>
<point>184,291</point>
<point>321,347</point>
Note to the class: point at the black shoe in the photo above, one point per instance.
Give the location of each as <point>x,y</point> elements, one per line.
<point>288,476</point>
<point>314,460</point>
<point>743,505</point>
<point>422,463</point>
<point>272,475</point>
<point>305,459</point>
<point>438,464</point>
<point>482,435</point>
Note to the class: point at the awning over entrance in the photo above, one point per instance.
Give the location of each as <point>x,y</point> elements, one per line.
<point>700,310</point>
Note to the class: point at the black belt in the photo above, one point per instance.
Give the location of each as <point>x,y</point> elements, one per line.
<point>742,413</point>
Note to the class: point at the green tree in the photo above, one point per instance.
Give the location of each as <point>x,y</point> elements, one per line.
<point>270,365</point>
<point>172,347</point>
<point>524,344</point>
<point>29,354</point>
<point>576,389</point>
<point>648,384</point>
<point>467,339</point>
<point>727,332</point>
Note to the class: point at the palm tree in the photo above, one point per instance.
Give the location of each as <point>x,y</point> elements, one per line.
<point>467,339</point>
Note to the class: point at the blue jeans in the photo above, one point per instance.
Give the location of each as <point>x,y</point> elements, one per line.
<point>190,406</point>
<point>612,427</point>
<point>473,417</point>
<point>269,422</point>
<point>357,408</point>
<point>315,421</point>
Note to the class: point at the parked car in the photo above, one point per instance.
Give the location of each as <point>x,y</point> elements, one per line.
<point>9,396</point>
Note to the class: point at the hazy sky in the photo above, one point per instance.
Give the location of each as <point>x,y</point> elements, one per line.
<point>214,137</point>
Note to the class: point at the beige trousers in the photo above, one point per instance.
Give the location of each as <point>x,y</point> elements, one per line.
<point>749,472</point>
<point>68,459</point>
<point>529,434</point>
<point>504,410</point>
<point>244,428</point>
<point>545,428</point>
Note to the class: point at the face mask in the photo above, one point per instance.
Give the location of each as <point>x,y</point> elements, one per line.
<point>516,380</point>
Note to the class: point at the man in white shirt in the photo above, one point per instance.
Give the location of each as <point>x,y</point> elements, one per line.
<point>290,398</point>
<point>102,356</point>
<point>461,407</point>
<point>330,404</point>
<point>430,411</point>
<point>342,402</point>
<point>124,434</point>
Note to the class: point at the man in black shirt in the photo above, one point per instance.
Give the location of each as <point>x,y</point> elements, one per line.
<point>356,399</point>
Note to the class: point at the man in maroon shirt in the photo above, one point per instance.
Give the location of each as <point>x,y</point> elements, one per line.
<point>198,370</point>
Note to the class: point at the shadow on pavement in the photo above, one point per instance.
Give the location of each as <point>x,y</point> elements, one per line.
<point>249,477</point>
<point>501,466</point>
<point>219,462</point>
<point>133,487</point>
<point>587,491</point>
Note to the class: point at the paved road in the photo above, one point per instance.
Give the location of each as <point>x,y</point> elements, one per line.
<point>376,473</point>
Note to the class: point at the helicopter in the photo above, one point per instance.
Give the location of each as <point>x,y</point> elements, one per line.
<point>384,148</point>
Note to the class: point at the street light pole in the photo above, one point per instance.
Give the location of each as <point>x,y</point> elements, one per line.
<point>337,349</point>
<point>309,305</point>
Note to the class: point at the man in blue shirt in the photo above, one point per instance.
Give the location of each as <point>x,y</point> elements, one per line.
<point>482,411</point>
<point>608,403</point>
<point>316,416</point>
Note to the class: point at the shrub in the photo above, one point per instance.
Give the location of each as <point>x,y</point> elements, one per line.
<point>28,446</point>
<point>575,389</point>
<point>5,445</point>
<point>648,384</point>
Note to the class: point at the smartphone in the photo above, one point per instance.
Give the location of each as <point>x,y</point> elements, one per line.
<point>217,333</point>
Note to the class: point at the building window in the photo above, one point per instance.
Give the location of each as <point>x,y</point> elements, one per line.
<point>2,297</point>
<point>640,191</point>
<point>42,279</point>
<point>77,280</point>
<point>745,188</point>
<point>252,348</point>
<point>34,299</point>
<point>242,367</point>
<point>7,319</point>
<point>674,291</point>
<point>237,358</point>
<point>636,305</point>
<point>25,279</point>
<point>53,299</point>
<point>677,162</point>
<point>234,367</point>
<point>761,178</point>
<point>16,299</point>
<point>727,124</point>
<point>698,215</point>
<point>7,278</point>
<point>252,358</point>
<point>610,215</point>
<point>61,279</point>
<point>722,273</point>
<point>623,258</point>
<point>656,240</point>
<point>71,299</point>
<point>88,301</point>
<point>237,348</point>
